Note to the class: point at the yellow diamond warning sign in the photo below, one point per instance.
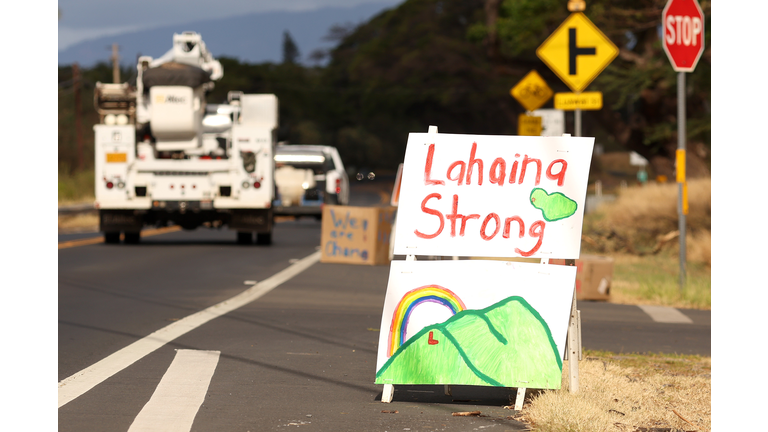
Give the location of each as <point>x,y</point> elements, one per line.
<point>577,51</point>
<point>532,91</point>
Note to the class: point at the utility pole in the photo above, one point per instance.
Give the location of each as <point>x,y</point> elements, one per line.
<point>76,83</point>
<point>115,65</point>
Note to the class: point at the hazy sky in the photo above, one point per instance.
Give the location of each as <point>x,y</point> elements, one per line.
<point>85,19</point>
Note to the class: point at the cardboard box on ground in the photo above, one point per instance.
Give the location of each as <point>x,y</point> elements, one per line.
<point>593,276</point>
<point>356,235</point>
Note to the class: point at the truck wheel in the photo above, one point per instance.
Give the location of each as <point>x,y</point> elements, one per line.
<point>112,237</point>
<point>244,237</point>
<point>132,237</point>
<point>264,238</point>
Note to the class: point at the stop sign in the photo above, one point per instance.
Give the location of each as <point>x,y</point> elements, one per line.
<point>683,41</point>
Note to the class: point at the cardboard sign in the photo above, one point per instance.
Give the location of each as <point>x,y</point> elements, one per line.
<point>489,323</point>
<point>356,235</point>
<point>493,196</point>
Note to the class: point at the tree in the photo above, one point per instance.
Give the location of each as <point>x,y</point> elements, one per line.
<point>639,87</point>
<point>290,50</point>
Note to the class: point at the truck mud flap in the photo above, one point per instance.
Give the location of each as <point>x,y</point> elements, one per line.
<point>259,220</point>
<point>120,220</point>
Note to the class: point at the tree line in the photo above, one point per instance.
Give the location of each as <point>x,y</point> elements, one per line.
<point>452,64</point>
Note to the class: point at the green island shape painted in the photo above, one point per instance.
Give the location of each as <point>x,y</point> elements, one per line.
<point>553,206</point>
<point>507,344</point>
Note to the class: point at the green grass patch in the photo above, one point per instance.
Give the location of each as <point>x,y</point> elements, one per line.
<point>655,279</point>
<point>75,187</point>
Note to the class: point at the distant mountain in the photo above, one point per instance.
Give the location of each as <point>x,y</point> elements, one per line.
<point>252,38</point>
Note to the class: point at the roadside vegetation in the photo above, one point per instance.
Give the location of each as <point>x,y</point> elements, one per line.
<point>75,186</point>
<point>637,392</point>
<point>627,393</point>
<point>640,231</point>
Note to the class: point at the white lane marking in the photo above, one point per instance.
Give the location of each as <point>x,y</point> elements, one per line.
<point>177,399</point>
<point>74,386</point>
<point>664,314</point>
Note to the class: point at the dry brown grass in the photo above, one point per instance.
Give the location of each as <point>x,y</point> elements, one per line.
<point>79,222</point>
<point>626,393</point>
<point>640,216</point>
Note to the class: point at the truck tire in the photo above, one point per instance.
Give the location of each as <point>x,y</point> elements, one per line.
<point>264,238</point>
<point>244,237</point>
<point>112,237</point>
<point>132,237</point>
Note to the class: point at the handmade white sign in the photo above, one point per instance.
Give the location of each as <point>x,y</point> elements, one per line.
<point>475,322</point>
<point>493,196</point>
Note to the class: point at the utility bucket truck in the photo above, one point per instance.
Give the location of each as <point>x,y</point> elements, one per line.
<point>164,156</point>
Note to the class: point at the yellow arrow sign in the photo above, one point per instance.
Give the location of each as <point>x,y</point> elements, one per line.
<point>582,101</point>
<point>528,125</point>
<point>577,51</point>
<point>532,91</point>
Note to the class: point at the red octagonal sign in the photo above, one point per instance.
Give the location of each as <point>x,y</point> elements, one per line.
<point>683,23</point>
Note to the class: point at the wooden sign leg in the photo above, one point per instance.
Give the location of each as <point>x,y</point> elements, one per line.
<point>519,398</point>
<point>574,348</point>
<point>388,393</point>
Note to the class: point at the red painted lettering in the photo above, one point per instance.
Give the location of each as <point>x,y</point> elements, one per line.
<point>487,219</point>
<point>560,176</point>
<point>536,230</point>
<point>456,215</point>
<point>513,172</point>
<point>428,168</point>
<point>460,178</point>
<point>508,222</point>
<point>434,213</point>
<point>526,161</point>
<point>471,164</point>
<point>497,174</point>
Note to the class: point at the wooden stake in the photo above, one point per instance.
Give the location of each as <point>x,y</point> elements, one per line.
<point>519,398</point>
<point>115,65</point>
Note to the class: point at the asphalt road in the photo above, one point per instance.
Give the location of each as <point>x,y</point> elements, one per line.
<point>300,356</point>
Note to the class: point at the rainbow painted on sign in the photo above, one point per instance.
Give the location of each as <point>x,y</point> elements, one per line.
<point>413,298</point>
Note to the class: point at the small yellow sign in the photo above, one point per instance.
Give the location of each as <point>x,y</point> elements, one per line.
<point>680,165</point>
<point>528,125</point>
<point>532,91</point>
<point>577,51</point>
<point>582,101</point>
<point>117,157</point>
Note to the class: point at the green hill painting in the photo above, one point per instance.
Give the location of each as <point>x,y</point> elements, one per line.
<point>507,344</point>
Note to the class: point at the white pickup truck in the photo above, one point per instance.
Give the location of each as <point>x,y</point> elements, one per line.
<point>307,177</point>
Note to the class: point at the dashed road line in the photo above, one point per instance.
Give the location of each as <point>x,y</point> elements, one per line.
<point>74,386</point>
<point>177,399</point>
<point>665,314</point>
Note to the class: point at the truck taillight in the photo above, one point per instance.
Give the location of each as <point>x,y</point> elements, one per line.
<point>338,185</point>
<point>256,184</point>
<point>110,185</point>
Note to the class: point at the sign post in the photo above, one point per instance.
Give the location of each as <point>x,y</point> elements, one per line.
<point>577,52</point>
<point>683,41</point>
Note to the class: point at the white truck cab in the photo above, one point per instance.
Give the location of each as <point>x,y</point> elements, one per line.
<point>308,177</point>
